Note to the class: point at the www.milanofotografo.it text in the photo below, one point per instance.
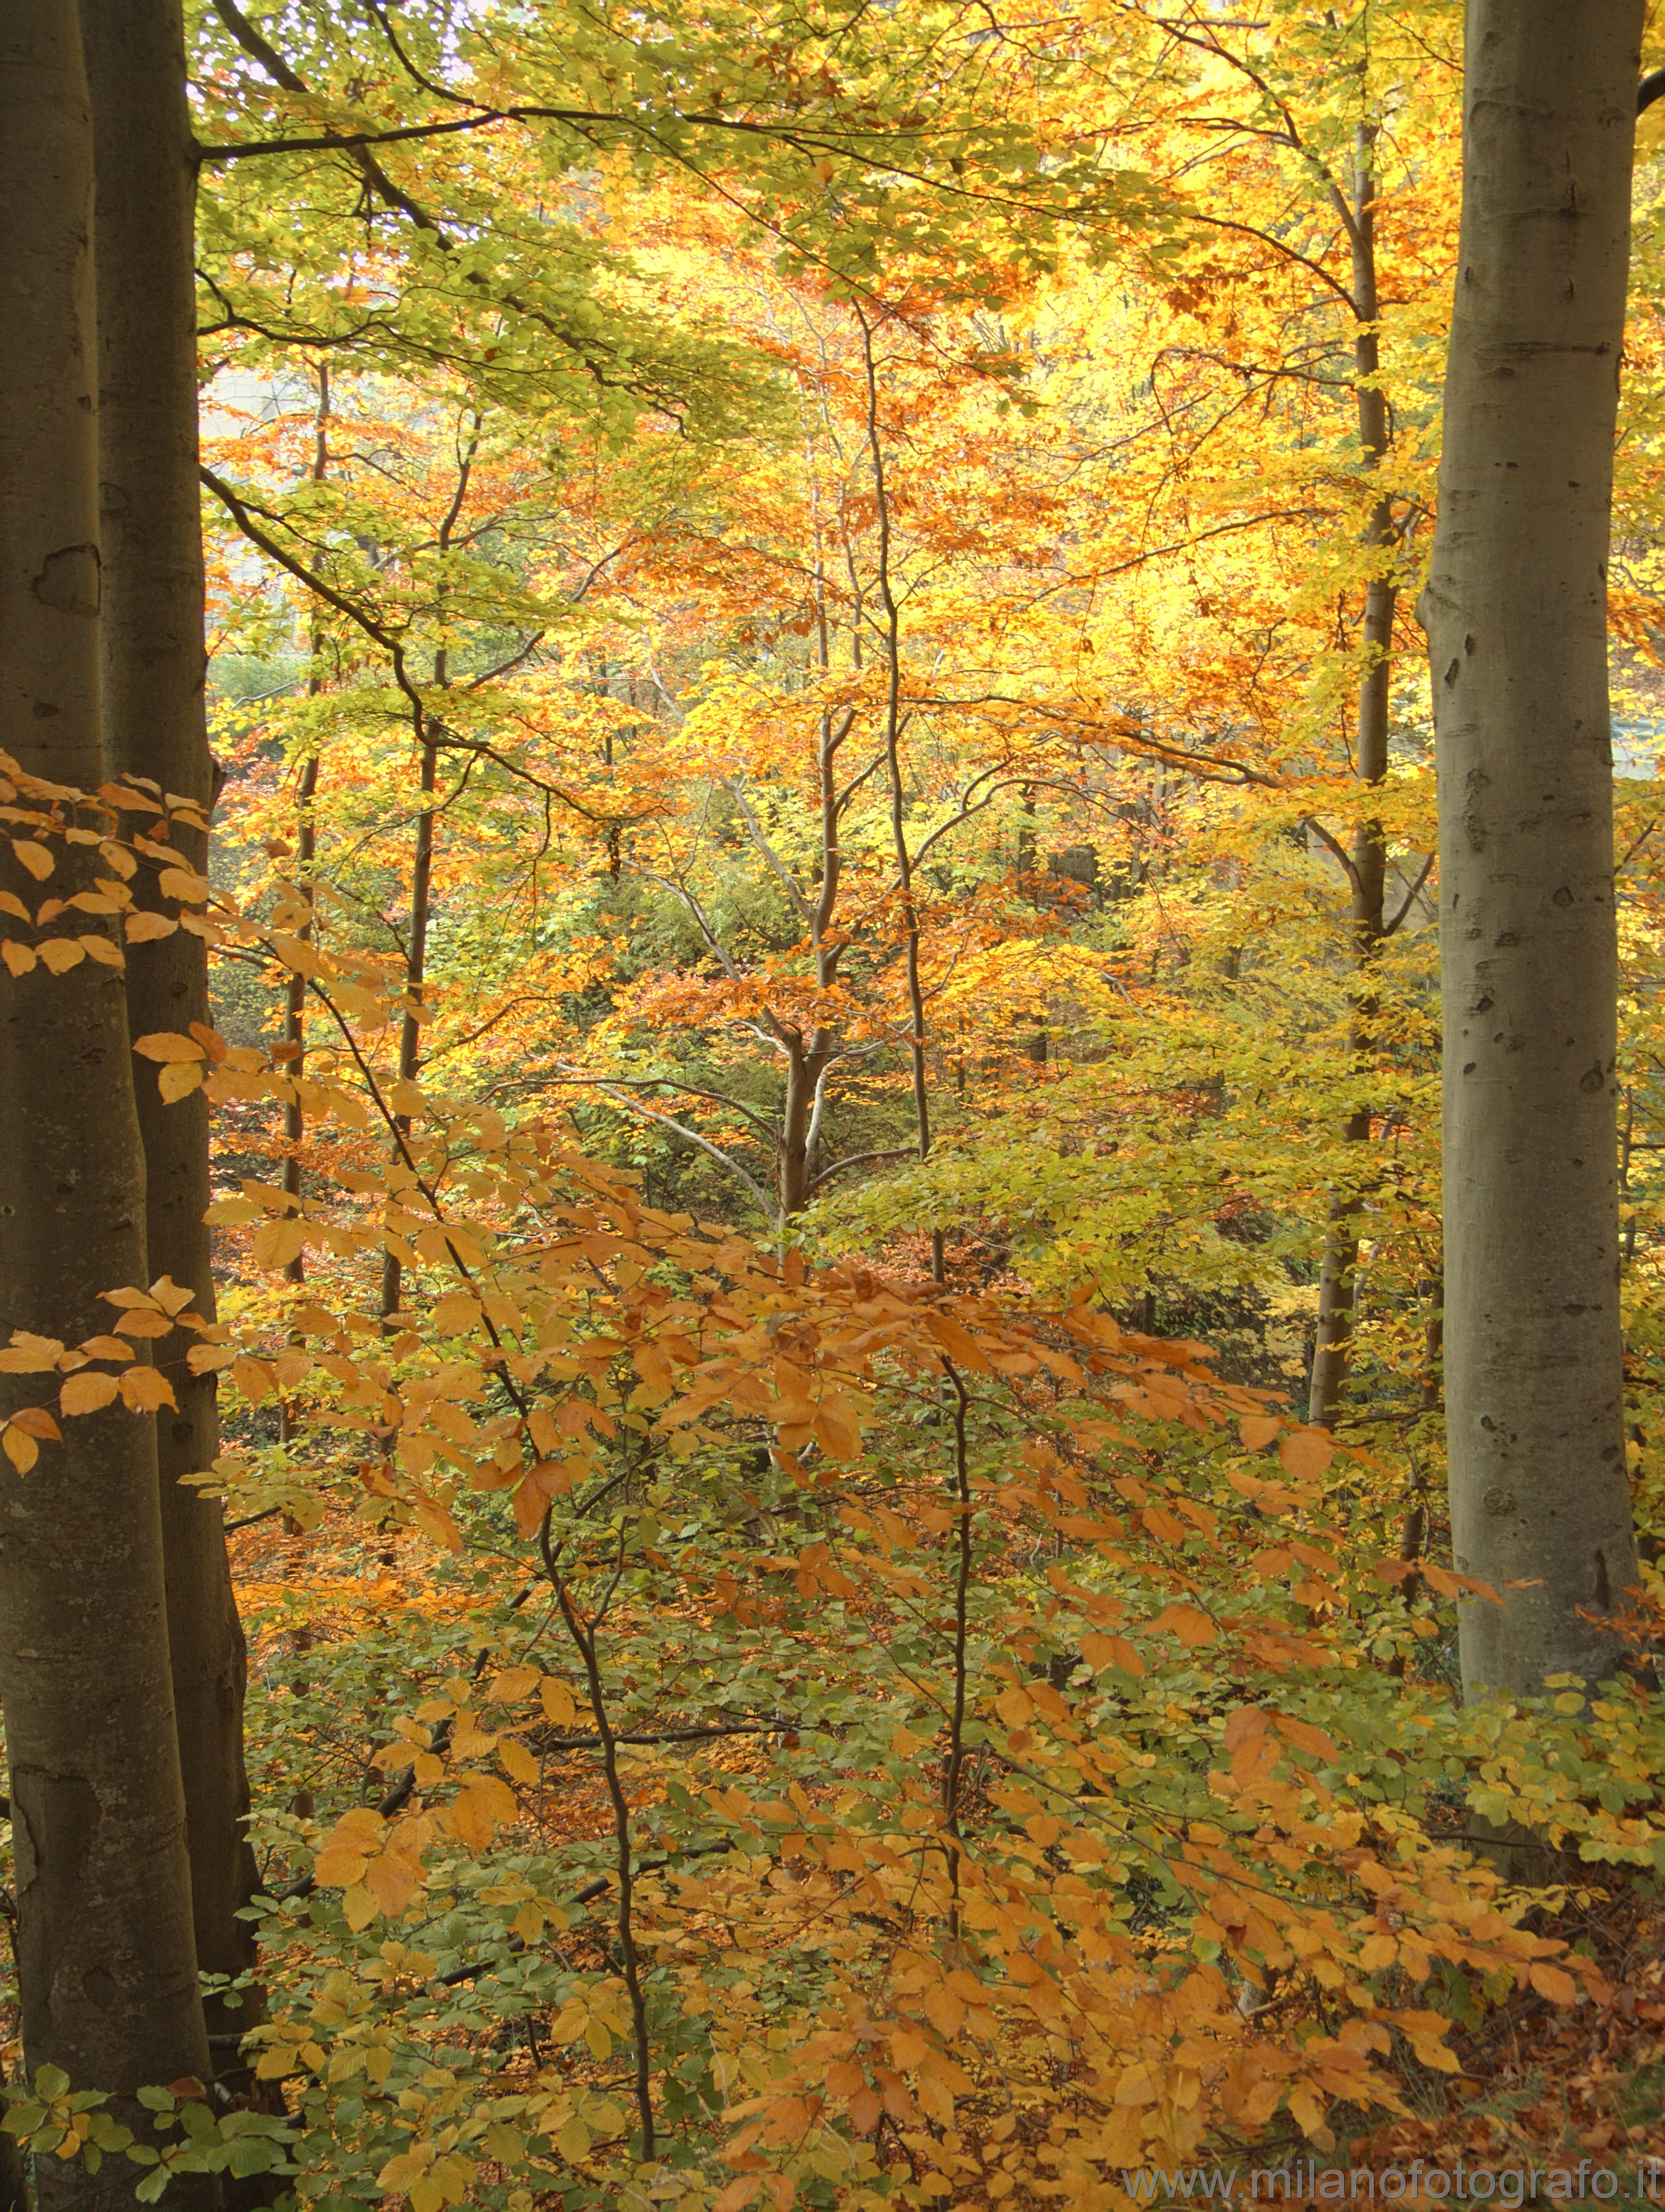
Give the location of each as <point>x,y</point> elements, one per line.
<point>1307,2183</point>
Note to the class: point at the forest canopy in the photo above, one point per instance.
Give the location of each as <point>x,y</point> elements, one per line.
<point>817,1081</point>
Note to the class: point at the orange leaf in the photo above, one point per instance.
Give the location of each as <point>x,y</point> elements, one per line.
<point>86,1392</point>
<point>36,1421</point>
<point>1258,1430</point>
<point>168,1044</point>
<point>143,1389</point>
<point>20,959</point>
<point>21,1449</point>
<point>30,1355</point>
<point>140,927</point>
<point>1111,1651</point>
<point>1189,1624</point>
<point>34,856</point>
<point>1306,1453</point>
<point>836,1432</point>
<point>865,2113</point>
<point>1552,1982</point>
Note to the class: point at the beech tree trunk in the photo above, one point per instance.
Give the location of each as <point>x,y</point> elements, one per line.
<point>106,1957</point>
<point>1516,611</point>
<point>154,671</point>
<point>1338,1279</point>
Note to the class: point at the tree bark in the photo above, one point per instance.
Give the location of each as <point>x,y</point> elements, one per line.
<point>1516,611</point>
<point>153,672</point>
<point>1338,1278</point>
<point>106,1957</point>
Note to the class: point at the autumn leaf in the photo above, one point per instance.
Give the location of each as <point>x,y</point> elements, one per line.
<point>87,1392</point>
<point>168,1045</point>
<point>1187,1622</point>
<point>35,857</point>
<point>1111,1651</point>
<point>278,1243</point>
<point>1305,1453</point>
<point>19,1448</point>
<point>30,1355</point>
<point>178,1078</point>
<point>144,1389</point>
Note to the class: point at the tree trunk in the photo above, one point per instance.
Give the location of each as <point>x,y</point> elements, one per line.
<point>1516,611</point>
<point>107,1960</point>
<point>410,1032</point>
<point>153,670</point>
<point>1338,1278</point>
<point>294,1007</point>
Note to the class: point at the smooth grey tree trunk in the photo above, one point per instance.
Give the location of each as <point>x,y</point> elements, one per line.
<point>107,1960</point>
<point>1516,611</point>
<point>154,671</point>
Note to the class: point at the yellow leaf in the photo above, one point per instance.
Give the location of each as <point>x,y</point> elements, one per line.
<point>181,884</point>
<point>360,1907</point>
<point>168,1044</point>
<point>34,856</point>
<point>20,959</point>
<point>61,954</point>
<point>140,927</point>
<point>471,1820</point>
<point>277,1243</point>
<point>518,1761</point>
<point>101,950</point>
<point>558,1703</point>
<point>86,1392</point>
<point>513,1684</point>
<point>296,953</point>
<point>21,1449</point>
<point>409,2165</point>
<point>178,1078</point>
<point>227,1210</point>
<point>145,1388</point>
<point>335,1866</point>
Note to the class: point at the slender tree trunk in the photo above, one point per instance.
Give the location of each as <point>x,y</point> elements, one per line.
<point>106,1957</point>
<point>154,671</point>
<point>294,1008</point>
<point>1516,611</point>
<point>410,1033</point>
<point>1338,1293</point>
<point>921,1113</point>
